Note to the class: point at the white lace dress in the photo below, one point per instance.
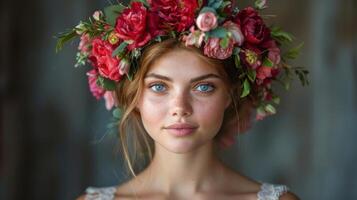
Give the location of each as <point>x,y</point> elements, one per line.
<point>267,192</point>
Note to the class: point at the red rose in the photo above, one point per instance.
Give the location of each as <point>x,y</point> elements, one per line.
<point>101,58</point>
<point>96,91</point>
<point>253,26</point>
<point>132,25</point>
<point>174,14</point>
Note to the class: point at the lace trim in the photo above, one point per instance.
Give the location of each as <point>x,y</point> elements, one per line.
<point>267,192</point>
<point>271,192</point>
<point>94,193</point>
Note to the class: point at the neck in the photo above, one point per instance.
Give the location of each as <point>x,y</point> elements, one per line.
<point>184,173</point>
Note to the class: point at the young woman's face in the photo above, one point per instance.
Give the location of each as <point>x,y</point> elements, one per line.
<point>181,89</point>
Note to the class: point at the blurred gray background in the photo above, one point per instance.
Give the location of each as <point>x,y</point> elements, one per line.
<point>53,140</point>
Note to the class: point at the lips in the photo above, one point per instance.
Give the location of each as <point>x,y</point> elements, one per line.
<point>181,126</point>
<point>181,129</point>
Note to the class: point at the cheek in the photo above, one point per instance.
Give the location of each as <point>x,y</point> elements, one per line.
<point>152,111</point>
<point>210,113</point>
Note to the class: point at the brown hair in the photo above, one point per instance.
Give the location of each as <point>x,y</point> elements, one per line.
<point>131,131</point>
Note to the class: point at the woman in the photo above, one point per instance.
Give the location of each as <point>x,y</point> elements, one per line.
<point>182,103</point>
<point>184,76</point>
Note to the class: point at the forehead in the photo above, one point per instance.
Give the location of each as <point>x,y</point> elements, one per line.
<point>178,63</point>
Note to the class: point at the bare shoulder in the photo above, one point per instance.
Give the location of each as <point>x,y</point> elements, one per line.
<point>82,197</point>
<point>289,196</point>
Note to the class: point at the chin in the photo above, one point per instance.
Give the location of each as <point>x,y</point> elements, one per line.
<point>181,145</point>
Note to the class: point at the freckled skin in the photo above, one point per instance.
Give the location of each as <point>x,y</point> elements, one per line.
<point>180,101</point>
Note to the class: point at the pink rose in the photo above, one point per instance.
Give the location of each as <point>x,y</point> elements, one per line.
<point>101,57</point>
<point>214,50</point>
<point>194,38</point>
<point>236,32</point>
<point>206,21</point>
<point>96,90</point>
<point>109,97</point>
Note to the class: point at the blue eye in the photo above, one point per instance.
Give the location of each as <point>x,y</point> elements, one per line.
<point>157,87</point>
<point>205,87</point>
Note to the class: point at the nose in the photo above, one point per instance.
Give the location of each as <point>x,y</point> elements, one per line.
<point>181,105</point>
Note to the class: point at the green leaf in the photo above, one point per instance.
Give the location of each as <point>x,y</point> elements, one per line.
<point>246,88</point>
<point>294,52</point>
<point>119,49</point>
<point>236,51</point>
<point>270,109</point>
<point>268,63</point>
<point>252,74</point>
<point>208,9</point>
<point>281,36</point>
<point>237,61</point>
<point>158,39</point>
<point>111,13</point>
<point>219,32</point>
<point>215,3</point>
<point>302,75</point>
<point>105,83</point>
<point>65,37</point>
<point>224,42</point>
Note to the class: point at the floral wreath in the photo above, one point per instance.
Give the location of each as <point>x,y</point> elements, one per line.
<point>112,42</point>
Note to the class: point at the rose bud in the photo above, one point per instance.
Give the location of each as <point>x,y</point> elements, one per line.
<point>124,66</point>
<point>109,98</point>
<point>97,15</point>
<point>206,21</point>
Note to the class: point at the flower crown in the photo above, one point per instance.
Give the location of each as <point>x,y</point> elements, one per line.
<point>112,42</point>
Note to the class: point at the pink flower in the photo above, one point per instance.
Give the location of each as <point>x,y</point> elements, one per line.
<point>101,57</point>
<point>194,38</point>
<point>84,43</point>
<point>214,50</point>
<point>96,91</point>
<point>236,32</point>
<point>109,97</point>
<point>206,21</point>
<point>264,72</point>
<point>274,51</point>
<point>124,66</point>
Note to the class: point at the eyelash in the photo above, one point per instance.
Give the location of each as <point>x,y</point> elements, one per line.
<point>199,84</point>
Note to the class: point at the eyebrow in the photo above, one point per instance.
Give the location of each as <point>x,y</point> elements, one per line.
<point>191,81</point>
